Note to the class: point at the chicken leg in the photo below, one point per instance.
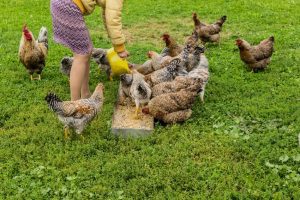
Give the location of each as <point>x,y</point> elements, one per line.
<point>66,132</point>
<point>201,94</point>
<point>137,110</point>
<point>136,113</point>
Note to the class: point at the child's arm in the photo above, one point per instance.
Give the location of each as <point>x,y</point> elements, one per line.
<point>113,23</point>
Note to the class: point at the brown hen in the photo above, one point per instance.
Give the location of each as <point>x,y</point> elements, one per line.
<point>172,48</point>
<point>211,32</point>
<point>256,57</point>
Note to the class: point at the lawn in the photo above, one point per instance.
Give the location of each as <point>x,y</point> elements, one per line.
<point>241,144</point>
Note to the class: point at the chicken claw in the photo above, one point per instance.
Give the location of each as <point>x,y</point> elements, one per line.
<point>66,133</point>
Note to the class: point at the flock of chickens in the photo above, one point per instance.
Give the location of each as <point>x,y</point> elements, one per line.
<point>166,85</point>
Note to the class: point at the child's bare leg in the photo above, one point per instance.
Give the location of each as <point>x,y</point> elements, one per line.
<point>85,90</point>
<point>77,75</point>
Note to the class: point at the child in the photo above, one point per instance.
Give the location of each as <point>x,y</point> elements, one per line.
<point>70,30</point>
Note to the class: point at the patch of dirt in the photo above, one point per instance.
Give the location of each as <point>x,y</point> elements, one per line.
<point>151,31</point>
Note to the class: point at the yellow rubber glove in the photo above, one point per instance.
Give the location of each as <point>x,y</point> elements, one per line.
<point>118,65</point>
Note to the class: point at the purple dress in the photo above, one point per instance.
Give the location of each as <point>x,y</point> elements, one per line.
<point>69,27</point>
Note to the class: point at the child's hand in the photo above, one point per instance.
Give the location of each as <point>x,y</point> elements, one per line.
<point>123,54</point>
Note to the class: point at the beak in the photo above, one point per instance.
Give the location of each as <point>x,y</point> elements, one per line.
<point>25,27</point>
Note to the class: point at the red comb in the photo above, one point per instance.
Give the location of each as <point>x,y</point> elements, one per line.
<point>238,42</point>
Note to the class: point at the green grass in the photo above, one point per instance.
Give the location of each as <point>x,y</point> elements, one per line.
<point>241,144</point>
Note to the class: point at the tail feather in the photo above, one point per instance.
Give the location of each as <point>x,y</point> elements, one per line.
<point>43,36</point>
<point>223,18</point>
<point>143,91</point>
<point>196,20</point>
<point>221,21</point>
<point>52,101</point>
<point>67,60</point>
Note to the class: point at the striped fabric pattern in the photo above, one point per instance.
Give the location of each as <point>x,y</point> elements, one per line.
<point>69,28</point>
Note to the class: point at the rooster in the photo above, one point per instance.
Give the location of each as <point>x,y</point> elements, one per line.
<point>33,53</point>
<point>76,114</point>
<point>256,57</point>
<point>208,33</point>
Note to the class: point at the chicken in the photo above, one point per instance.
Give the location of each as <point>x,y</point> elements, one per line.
<point>172,107</point>
<point>192,40</point>
<point>173,69</point>
<point>76,114</point>
<point>208,33</point>
<point>179,83</point>
<point>165,74</point>
<point>145,68</point>
<point>33,53</point>
<point>172,48</point>
<point>66,65</point>
<point>156,62</point>
<point>139,90</point>
<point>100,57</point>
<point>124,92</point>
<point>194,58</point>
<point>256,57</point>
<point>201,71</point>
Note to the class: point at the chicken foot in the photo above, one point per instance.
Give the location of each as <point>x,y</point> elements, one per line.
<point>36,78</point>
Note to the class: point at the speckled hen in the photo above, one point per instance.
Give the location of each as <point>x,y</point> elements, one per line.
<point>76,114</point>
